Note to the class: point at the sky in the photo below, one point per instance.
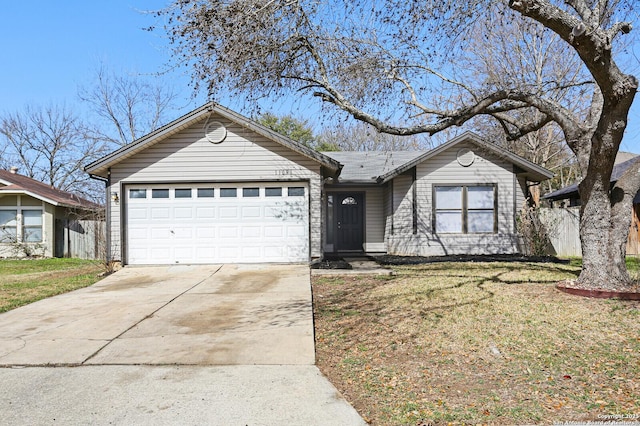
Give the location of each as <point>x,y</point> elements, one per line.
<point>50,48</point>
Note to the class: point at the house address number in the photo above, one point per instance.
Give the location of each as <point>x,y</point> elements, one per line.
<point>284,172</point>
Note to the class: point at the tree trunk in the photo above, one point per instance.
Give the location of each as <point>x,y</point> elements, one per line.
<point>605,214</point>
<point>603,232</point>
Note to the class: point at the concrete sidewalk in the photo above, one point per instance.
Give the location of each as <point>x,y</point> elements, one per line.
<point>172,395</point>
<point>218,345</point>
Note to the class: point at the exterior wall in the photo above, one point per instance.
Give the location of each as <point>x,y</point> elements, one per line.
<point>49,230</point>
<point>45,248</point>
<point>375,218</point>
<point>444,169</point>
<point>402,206</point>
<point>189,157</point>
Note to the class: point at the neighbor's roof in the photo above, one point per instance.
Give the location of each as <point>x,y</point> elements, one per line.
<point>19,184</point>
<point>571,191</point>
<point>101,166</point>
<point>367,166</point>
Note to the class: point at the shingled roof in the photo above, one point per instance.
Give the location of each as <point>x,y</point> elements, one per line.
<point>18,184</point>
<point>571,191</point>
<point>367,166</point>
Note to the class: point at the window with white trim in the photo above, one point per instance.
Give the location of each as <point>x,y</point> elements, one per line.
<point>32,226</point>
<point>21,225</point>
<point>464,209</point>
<point>8,226</point>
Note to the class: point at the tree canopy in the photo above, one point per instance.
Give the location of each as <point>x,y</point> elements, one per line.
<point>296,129</point>
<point>407,67</point>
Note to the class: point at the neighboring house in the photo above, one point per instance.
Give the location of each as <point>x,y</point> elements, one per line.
<point>214,186</point>
<point>33,216</point>
<point>569,197</point>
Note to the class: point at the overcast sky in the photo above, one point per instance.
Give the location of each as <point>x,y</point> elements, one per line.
<point>49,48</point>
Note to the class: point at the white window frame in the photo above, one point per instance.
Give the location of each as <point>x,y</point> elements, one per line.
<point>20,226</point>
<point>464,208</point>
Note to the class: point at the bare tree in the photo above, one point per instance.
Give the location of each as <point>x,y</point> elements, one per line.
<point>395,65</point>
<point>361,136</point>
<point>131,105</point>
<point>51,144</point>
<point>539,57</point>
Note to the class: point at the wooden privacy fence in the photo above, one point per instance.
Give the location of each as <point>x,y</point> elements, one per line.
<point>563,230</point>
<point>80,238</point>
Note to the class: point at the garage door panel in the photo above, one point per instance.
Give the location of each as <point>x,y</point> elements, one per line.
<point>251,232</point>
<point>160,213</point>
<point>160,234</point>
<point>251,252</point>
<point>205,254</point>
<point>138,213</point>
<point>228,232</point>
<point>205,212</point>
<point>296,231</point>
<point>139,234</point>
<point>251,212</point>
<point>183,213</point>
<point>217,229</point>
<point>206,233</point>
<point>183,253</point>
<point>273,231</point>
<point>228,212</point>
<point>161,254</point>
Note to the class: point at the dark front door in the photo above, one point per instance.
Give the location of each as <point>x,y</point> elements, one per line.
<point>349,221</point>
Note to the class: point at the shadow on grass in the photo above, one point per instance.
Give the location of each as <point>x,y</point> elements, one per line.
<point>440,291</point>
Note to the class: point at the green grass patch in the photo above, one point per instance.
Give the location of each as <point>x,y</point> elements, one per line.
<point>27,281</point>
<point>477,343</point>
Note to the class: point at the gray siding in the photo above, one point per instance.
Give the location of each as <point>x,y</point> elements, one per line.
<point>243,156</point>
<point>445,170</point>
<point>403,205</point>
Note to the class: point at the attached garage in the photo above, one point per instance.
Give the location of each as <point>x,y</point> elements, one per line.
<point>213,223</point>
<point>214,187</point>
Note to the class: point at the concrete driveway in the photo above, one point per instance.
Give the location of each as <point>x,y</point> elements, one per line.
<point>214,344</point>
<point>195,315</point>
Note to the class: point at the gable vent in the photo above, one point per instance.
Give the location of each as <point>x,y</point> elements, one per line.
<point>215,132</point>
<point>465,157</point>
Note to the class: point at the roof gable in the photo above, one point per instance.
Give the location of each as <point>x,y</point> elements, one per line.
<point>19,184</point>
<point>532,171</point>
<point>101,166</point>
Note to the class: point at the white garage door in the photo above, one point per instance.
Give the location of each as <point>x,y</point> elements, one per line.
<point>207,223</point>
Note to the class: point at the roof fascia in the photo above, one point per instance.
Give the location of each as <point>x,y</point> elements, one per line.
<point>31,194</point>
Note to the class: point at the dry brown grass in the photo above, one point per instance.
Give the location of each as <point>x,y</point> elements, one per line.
<point>477,343</point>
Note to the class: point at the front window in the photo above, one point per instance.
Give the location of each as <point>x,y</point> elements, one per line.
<point>8,226</point>
<point>465,209</point>
<point>21,225</point>
<point>32,226</point>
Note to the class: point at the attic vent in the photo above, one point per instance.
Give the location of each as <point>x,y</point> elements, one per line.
<point>215,132</point>
<point>466,157</point>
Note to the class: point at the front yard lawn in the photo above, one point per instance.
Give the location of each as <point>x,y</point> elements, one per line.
<point>26,281</point>
<point>477,343</point>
